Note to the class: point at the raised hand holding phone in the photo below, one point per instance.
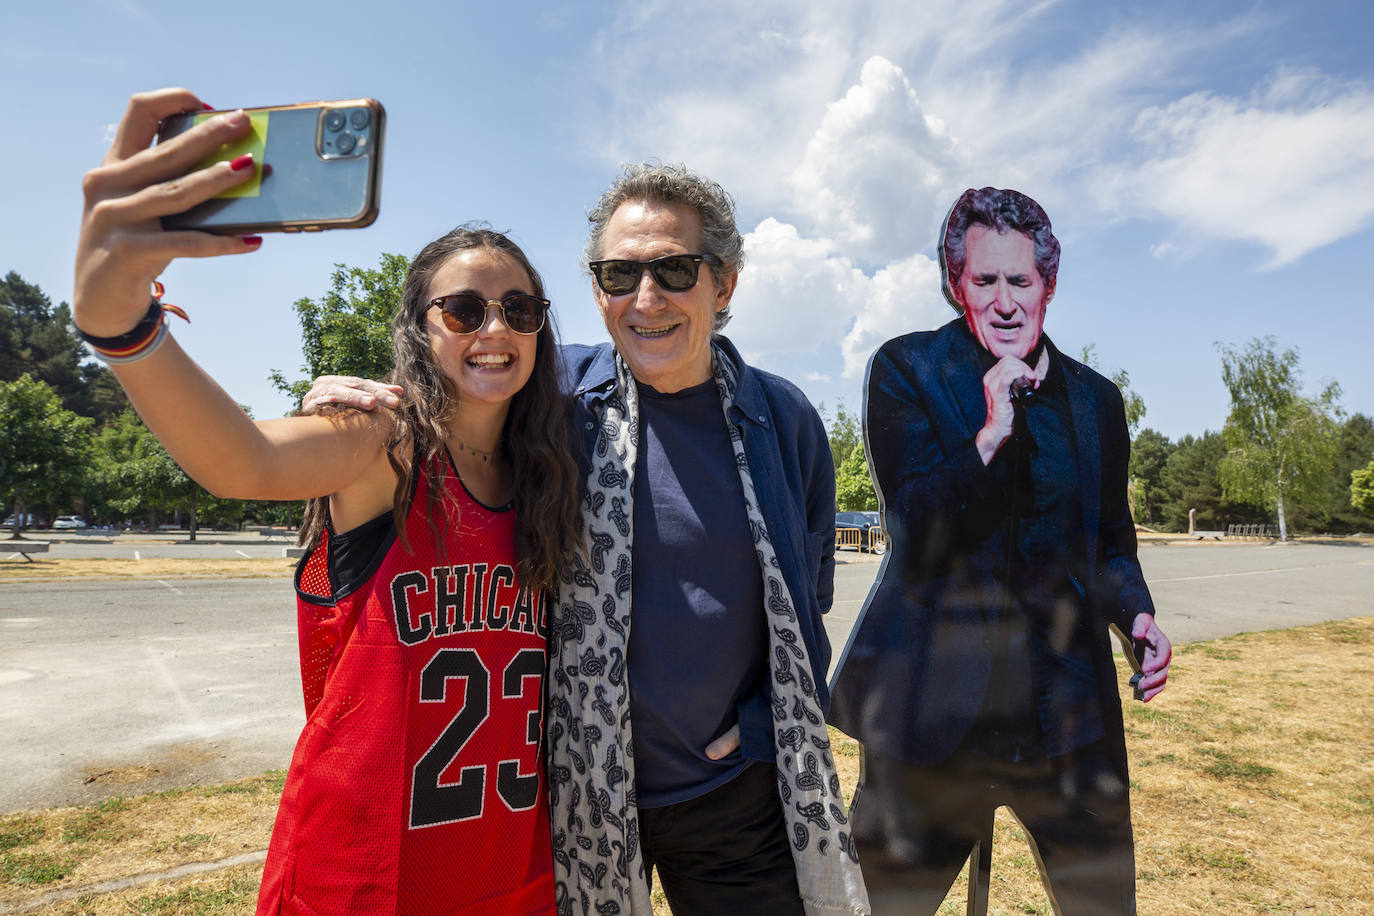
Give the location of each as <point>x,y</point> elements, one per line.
<point>122,247</point>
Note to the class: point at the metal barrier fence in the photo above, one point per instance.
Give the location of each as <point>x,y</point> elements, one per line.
<point>1250,531</point>
<point>849,537</point>
<point>854,537</point>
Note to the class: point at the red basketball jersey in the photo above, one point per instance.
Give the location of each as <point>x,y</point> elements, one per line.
<point>417,785</point>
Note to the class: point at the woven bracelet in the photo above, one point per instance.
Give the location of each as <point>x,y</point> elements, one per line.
<point>139,333</point>
<point>140,351</point>
<point>142,339</point>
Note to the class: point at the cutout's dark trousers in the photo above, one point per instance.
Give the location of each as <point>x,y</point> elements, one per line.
<point>915,826</point>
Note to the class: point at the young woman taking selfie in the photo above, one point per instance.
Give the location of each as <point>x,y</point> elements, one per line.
<point>436,531</point>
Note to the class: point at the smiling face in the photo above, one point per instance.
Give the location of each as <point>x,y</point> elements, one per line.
<point>664,337</point>
<point>1002,293</point>
<point>488,366</point>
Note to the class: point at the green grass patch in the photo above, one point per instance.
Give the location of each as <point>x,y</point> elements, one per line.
<point>1218,652</point>
<point>1225,766</point>
<point>22,868</point>
<point>89,827</point>
<point>1342,632</point>
<point>19,831</point>
<point>183,842</point>
<point>236,896</point>
<point>273,781</point>
<point>1225,859</point>
<point>1164,719</point>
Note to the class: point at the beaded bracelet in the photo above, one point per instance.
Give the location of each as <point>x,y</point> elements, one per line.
<point>140,341</point>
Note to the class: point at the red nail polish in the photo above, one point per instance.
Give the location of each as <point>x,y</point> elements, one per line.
<point>252,241</point>
<point>208,107</point>
<point>242,162</point>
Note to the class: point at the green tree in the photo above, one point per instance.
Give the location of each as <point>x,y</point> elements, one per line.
<point>1190,479</point>
<point>1281,446</point>
<point>1149,453</point>
<point>43,448</point>
<point>1134,403</point>
<point>270,512</point>
<point>853,484</point>
<point>348,331</point>
<point>1356,448</point>
<point>134,476</point>
<point>843,432</point>
<point>1362,488</point>
<point>37,339</point>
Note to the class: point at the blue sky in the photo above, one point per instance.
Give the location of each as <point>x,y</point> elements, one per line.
<point>1208,167</point>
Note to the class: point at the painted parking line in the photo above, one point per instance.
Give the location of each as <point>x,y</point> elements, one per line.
<point>1257,572</point>
<point>174,589</point>
<point>242,554</point>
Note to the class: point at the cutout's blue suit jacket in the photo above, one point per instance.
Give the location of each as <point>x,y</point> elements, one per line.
<point>912,679</point>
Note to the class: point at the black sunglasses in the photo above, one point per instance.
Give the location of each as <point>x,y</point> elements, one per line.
<point>675,272</point>
<point>464,313</point>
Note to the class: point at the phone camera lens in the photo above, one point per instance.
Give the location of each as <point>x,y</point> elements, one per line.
<point>359,118</point>
<point>345,143</point>
<point>334,121</point>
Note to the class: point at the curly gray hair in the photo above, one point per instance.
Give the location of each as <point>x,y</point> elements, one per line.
<point>675,184</point>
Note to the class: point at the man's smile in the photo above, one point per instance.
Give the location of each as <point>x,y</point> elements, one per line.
<point>651,333</point>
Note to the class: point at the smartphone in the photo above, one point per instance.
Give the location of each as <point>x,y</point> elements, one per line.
<point>318,166</point>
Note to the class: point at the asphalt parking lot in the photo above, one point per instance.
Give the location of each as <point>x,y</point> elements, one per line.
<point>91,544</point>
<point>110,688</point>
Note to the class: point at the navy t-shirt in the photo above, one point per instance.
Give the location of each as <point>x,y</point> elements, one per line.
<point>698,638</point>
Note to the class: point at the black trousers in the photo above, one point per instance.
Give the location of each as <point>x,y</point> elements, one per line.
<point>915,826</point>
<point>726,851</point>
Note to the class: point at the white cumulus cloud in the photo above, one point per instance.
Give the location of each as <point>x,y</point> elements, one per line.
<point>1291,168</point>
<point>796,295</point>
<point>903,296</point>
<point>877,168</point>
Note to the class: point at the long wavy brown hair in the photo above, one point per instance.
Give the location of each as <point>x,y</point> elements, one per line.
<point>535,438</point>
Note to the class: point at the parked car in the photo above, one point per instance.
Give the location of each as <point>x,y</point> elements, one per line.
<point>68,521</point>
<point>25,522</point>
<point>870,529</point>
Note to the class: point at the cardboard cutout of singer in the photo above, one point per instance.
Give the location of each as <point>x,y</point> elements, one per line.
<point>980,672</point>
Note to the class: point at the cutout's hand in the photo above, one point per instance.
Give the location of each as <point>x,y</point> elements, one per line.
<point>350,391</point>
<point>1001,413</point>
<point>1154,666</point>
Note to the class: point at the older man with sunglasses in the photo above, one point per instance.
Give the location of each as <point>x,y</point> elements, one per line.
<point>688,658</point>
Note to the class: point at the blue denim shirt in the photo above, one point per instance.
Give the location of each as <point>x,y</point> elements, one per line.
<point>794,479</point>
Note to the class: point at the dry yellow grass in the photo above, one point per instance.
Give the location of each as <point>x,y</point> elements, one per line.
<point>153,568</point>
<point>1253,792</point>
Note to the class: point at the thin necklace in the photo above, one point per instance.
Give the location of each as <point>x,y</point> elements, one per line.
<point>480,453</point>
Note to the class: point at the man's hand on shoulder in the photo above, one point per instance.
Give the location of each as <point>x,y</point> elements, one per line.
<point>1154,665</point>
<point>349,391</point>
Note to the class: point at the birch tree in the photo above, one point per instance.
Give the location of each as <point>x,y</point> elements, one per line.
<point>1281,446</point>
